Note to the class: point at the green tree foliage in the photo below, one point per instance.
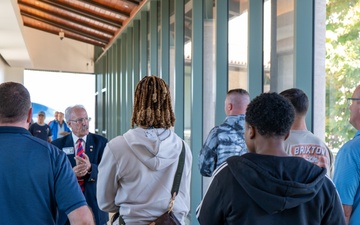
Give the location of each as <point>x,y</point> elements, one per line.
<point>342,67</point>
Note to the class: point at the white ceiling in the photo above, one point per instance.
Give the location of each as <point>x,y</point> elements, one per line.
<point>12,43</point>
<point>27,48</point>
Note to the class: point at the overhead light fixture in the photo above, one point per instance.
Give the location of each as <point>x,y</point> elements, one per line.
<point>61,34</point>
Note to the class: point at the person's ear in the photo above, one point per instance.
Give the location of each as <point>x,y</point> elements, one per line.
<point>252,132</point>
<point>229,106</point>
<point>286,136</point>
<point>29,116</point>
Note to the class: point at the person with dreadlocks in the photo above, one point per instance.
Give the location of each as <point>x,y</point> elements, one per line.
<point>137,170</point>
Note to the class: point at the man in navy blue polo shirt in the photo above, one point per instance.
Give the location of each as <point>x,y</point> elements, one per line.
<point>36,177</point>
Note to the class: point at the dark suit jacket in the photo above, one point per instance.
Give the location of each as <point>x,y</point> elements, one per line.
<point>94,149</point>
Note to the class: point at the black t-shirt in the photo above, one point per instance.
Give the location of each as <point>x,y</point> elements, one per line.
<point>40,131</point>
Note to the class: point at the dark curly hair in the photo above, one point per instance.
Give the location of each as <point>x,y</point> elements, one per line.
<point>298,99</point>
<point>271,114</point>
<point>152,104</point>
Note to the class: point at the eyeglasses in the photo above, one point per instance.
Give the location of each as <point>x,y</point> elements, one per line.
<point>350,100</point>
<point>81,120</point>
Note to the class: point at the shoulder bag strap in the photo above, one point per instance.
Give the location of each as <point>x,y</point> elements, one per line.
<point>177,178</point>
<point>179,170</point>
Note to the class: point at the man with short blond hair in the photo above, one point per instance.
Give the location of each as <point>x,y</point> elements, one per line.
<point>226,139</point>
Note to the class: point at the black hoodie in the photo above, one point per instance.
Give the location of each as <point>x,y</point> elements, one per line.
<point>258,189</point>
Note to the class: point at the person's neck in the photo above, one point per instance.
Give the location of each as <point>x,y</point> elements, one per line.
<point>299,124</point>
<point>236,113</point>
<point>16,124</point>
<point>270,146</point>
<point>79,136</point>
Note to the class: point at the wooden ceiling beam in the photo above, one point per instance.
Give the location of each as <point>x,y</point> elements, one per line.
<point>90,15</point>
<point>91,41</point>
<point>133,2</point>
<point>66,17</point>
<point>106,8</point>
<point>64,27</point>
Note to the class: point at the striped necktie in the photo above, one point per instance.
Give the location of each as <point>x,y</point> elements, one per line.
<point>80,152</point>
<point>80,148</point>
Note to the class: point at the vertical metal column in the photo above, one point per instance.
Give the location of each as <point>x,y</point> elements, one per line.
<point>118,88</point>
<point>143,44</point>
<point>154,37</point>
<point>221,58</point>
<point>136,53</point>
<point>196,103</point>
<point>123,84</point>
<point>274,51</point>
<point>165,41</point>
<point>113,90</point>
<point>107,93</point>
<point>103,97</point>
<point>99,105</point>
<point>304,52</point>
<point>129,76</point>
<point>179,67</point>
<point>255,50</point>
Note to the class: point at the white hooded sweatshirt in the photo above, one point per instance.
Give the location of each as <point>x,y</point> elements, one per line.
<point>136,174</point>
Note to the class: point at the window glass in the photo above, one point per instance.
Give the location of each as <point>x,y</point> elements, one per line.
<point>342,69</point>
<point>278,45</point>
<point>187,69</point>
<point>238,44</point>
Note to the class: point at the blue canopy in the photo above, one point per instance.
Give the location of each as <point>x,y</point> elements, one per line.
<point>49,112</point>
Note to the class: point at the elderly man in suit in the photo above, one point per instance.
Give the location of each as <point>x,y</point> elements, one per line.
<point>84,151</point>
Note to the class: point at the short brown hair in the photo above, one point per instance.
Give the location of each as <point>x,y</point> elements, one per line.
<point>152,104</point>
<point>14,102</point>
<point>298,99</point>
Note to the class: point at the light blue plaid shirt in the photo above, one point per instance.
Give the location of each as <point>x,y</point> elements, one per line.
<point>222,142</point>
